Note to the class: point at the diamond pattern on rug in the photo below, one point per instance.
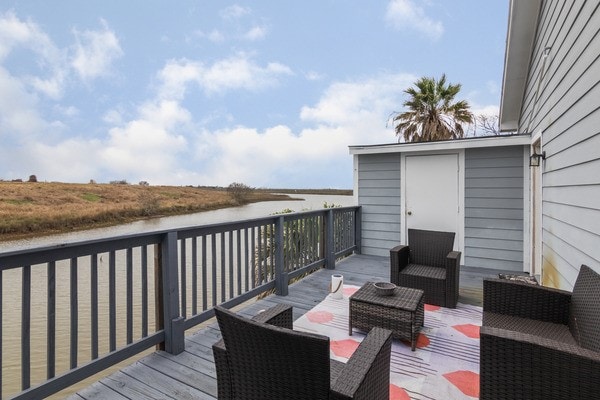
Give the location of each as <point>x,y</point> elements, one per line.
<point>445,365</point>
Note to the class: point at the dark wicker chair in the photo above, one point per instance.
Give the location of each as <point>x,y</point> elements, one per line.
<point>258,360</point>
<point>428,263</point>
<point>539,342</point>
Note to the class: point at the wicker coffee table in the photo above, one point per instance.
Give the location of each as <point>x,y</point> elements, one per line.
<point>402,312</point>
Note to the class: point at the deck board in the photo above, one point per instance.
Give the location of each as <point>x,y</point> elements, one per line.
<point>191,375</point>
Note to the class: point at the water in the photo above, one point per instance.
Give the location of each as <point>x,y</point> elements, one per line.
<point>254,210</point>
<point>11,288</point>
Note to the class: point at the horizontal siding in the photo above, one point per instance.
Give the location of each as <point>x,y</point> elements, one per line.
<point>379,196</point>
<point>494,208</point>
<point>566,110</point>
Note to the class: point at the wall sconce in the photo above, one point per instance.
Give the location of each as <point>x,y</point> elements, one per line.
<point>534,159</point>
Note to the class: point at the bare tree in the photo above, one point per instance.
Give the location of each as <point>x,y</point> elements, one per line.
<point>488,124</point>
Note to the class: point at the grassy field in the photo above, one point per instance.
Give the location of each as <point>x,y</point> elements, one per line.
<point>28,209</point>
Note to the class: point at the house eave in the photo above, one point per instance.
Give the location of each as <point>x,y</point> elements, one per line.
<point>488,141</point>
<point>522,25</point>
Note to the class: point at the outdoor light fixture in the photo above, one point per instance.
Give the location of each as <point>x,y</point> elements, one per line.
<point>534,159</point>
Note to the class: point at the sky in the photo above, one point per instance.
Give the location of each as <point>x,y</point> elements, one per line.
<point>269,93</point>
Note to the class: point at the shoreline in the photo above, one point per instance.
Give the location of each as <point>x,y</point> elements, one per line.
<point>29,210</point>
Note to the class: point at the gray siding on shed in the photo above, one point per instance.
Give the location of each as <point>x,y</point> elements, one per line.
<point>566,110</point>
<point>494,208</point>
<point>379,196</point>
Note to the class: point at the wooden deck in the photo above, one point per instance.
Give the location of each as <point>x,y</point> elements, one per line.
<point>191,374</point>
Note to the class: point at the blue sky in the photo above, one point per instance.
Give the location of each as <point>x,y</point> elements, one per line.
<point>269,93</point>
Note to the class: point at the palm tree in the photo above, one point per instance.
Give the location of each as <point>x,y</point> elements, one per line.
<point>432,114</point>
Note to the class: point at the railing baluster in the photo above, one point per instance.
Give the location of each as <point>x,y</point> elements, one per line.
<point>223,274</point>
<point>213,256</point>
<point>94,305</point>
<point>204,276</point>
<point>26,327</point>
<point>129,295</point>
<point>259,267</point>
<point>246,259</point>
<point>239,261</point>
<point>231,264</point>
<point>183,277</point>
<point>144,284</point>
<point>74,314</point>
<point>253,256</point>
<point>112,302</point>
<point>194,276</point>
<point>51,321</point>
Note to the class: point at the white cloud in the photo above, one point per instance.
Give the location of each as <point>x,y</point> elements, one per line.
<point>237,72</point>
<point>147,146</point>
<point>215,36</point>
<point>95,51</point>
<point>18,108</point>
<point>15,33</point>
<point>256,33</point>
<point>234,12</point>
<point>348,113</point>
<point>405,14</point>
<point>313,76</point>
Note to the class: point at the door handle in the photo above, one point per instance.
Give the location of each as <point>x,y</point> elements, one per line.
<point>409,212</point>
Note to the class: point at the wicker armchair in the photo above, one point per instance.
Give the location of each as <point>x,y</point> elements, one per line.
<point>539,342</point>
<point>428,263</point>
<point>257,360</point>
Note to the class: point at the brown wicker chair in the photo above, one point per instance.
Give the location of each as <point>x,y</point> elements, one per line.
<point>428,263</point>
<point>539,342</point>
<point>257,360</point>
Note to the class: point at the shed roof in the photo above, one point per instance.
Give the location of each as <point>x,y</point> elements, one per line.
<point>522,25</point>
<point>472,142</point>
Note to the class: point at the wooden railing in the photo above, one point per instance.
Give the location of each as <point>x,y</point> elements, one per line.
<point>99,302</point>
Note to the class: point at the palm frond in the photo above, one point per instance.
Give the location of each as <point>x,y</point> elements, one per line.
<point>431,112</point>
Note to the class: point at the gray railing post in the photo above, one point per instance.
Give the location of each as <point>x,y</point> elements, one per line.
<point>281,276</point>
<point>173,321</point>
<point>358,229</point>
<point>329,243</point>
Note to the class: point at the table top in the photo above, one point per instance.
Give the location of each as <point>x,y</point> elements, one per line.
<point>403,298</point>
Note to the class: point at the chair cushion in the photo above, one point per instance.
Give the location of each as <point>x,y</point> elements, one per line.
<point>425,271</point>
<point>584,315</point>
<point>533,327</point>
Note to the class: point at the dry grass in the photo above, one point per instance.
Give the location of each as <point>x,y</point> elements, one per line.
<point>40,208</point>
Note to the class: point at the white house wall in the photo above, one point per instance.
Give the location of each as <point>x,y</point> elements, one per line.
<point>563,104</point>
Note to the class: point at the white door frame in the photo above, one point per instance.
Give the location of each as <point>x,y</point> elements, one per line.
<point>533,262</point>
<point>460,234</point>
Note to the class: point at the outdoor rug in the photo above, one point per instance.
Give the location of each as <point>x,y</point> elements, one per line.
<point>445,364</point>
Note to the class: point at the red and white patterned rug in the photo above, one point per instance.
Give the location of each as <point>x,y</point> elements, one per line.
<point>445,364</point>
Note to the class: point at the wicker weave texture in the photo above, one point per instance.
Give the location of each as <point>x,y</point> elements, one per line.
<point>402,313</point>
<point>428,263</point>
<point>262,361</point>
<point>538,342</point>
<point>279,315</point>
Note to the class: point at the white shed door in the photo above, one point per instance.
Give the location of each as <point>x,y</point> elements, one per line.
<point>431,194</point>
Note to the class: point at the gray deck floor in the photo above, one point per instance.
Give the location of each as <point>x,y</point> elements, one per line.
<point>191,374</point>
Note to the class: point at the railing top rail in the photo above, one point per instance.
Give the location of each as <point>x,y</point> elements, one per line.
<point>37,255</point>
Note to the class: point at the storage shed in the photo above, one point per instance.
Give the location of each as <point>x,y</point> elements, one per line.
<point>476,187</point>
